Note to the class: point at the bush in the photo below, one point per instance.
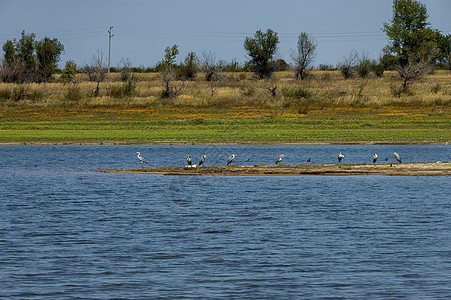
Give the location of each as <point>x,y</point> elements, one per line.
<point>378,69</point>
<point>73,93</point>
<point>363,68</point>
<point>124,90</point>
<point>397,90</point>
<point>69,72</point>
<point>302,93</point>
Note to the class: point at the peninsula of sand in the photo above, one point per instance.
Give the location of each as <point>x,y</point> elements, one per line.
<point>404,169</point>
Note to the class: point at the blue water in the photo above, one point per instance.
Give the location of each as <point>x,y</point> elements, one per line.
<point>68,233</point>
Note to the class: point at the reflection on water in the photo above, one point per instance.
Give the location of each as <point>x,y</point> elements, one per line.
<point>66,232</point>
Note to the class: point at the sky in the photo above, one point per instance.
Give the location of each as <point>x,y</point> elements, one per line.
<point>142,29</point>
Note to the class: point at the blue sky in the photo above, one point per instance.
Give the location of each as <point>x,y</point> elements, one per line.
<point>142,29</point>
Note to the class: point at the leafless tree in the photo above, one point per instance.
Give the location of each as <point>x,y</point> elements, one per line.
<point>412,70</point>
<point>306,53</point>
<point>96,71</point>
<point>209,65</point>
<point>125,69</point>
<point>217,80</point>
<point>13,71</point>
<point>347,66</point>
<point>168,75</point>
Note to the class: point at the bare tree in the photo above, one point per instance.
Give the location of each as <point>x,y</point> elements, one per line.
<point>12,71</point>
<point>347,66</point>
<point>125,69</point>
<point>209,65</point>
<point>412,70</point>
<point>216,81</point>
<point>306,53</point>
<point>168,75</point>
<point>96,71</point>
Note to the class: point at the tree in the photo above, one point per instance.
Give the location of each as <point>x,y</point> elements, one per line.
<point>167,71</point>
<point>188,69</point>
<point>261,50</point>
<point>24,49</point>
<point>48,52</point>
<point>36,59</point>
<point>444,50</point>
<point>209,65</point>
<point>306,52</point>
<point>411,39</point>
<point>348,66</point>
<point>96,71</point>
<point>69,72</point>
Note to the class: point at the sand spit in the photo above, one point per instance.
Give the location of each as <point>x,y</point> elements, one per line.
<point>410,169</point>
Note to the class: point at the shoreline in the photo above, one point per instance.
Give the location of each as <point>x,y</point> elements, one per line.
<point>216,143</point>
<point>390,169</point>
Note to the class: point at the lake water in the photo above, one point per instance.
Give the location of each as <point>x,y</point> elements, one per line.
<point>67,232</point>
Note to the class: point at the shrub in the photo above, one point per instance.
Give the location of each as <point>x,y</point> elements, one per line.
<point>73,93</point>
<point>302,93</point>
<point>69,72</point>
<point>436,88</point>
<point>378,69</point>
<point>363,68</point>
<point>124,90</point>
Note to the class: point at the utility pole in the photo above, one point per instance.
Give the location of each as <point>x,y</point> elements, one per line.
<point>109,47</point>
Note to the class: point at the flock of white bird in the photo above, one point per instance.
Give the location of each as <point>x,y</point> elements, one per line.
<point>278,159</point>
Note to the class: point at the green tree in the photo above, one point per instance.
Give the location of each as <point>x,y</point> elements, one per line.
<point>411,39</point>
<point>48,52</point>
<point>24,49</point>
<point>188,69</point>
<point>69,72</point>
<point>444,50</point>
<point>170,53</point>
<point>306,52</point>
<point>9,52</point>
<point>261,50</point>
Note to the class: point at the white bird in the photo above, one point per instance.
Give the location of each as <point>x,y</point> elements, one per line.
<point>188,159</point>
<point>375,157</point>
<point>279,158</point>
<point>202,159</point>
<point>231,158</point>
<point>340,157</point>
<point>398,158</point>
<point>142,159</point>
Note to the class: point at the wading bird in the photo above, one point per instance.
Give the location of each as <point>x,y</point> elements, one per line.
<point>279,158</point>
<point>142,159</point>
<point>375,157</point>
<point>340,157</point>
<point>231,158</point>
<point>188,159</point>
<point>398,158</point>
<point>202,159</point>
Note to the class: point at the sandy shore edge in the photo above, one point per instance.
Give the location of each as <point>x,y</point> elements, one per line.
<point>407,169</point>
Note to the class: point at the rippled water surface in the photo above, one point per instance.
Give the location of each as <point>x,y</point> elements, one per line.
<point>66,232</point>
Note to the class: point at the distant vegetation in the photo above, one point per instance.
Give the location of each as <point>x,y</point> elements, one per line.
<point>414,49</point>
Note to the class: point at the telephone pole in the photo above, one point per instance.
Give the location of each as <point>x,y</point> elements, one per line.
<point>109,47</point>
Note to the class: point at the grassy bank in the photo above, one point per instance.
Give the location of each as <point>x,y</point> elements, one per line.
<point>322,109</point>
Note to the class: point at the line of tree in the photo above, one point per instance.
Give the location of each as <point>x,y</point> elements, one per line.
<point>28,60</point>
<point>414,47</point>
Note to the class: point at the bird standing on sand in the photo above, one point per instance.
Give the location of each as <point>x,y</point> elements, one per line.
<point>231,158</point>
<point>202,159</point>
<point>142,159</point>
<point>188,159</point>
<point>375,157</point>
<point>340,157</point>
<point>398,158</point>
<point>279,158</point>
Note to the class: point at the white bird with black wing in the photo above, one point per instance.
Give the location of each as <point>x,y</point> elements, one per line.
<point>142,159</point>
